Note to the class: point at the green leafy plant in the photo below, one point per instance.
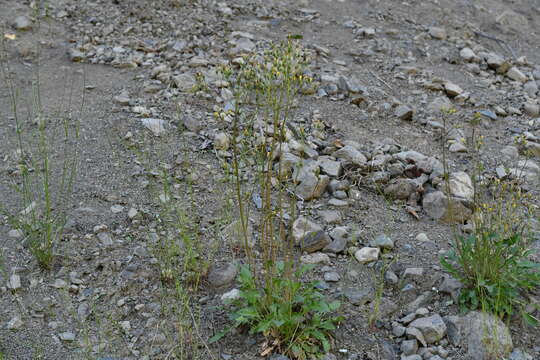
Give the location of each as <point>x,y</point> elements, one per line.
<point>294,317</point>
<point>495,272</point>
<point>493,262</point>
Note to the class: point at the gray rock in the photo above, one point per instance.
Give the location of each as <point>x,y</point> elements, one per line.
<point>403,112</point>
<point>433,328</point>
<point>494,61</point>
<point>409,347</point>
<point>312,186</point>
<point>75,55</point>
<point>22,23</point>
<point>451,286</point>
<point>515,74</point>
<point>302,227</point>
<point>486,336</point>
<point>437,33</point>
<point>413,273</point>
<point>531,88</point>
<point>510,152</point>
<point>359,297</point>
<point>351,85</point>
<point>315,258</point>
<point>122,98</point>
<point>391,277</point>
<point>519,354</point>
<point>15,233</point>
<point>412,357</point>
<point>315,241</point>
<point>222,141</point>
<point>278,357</point>
<point>67,336</point>
<point>440,207</point>
<point>440,104</point>
<point>531,109</point>
<point>105,238</point>
<point>340,236</point>
<point>468,55</point>
<point>453,329</point>
<point>331,276</point>
<point>184,82</point>
<point>452,89</point>
<point>14,282</point>
<point>420,301</point>
<point>414,333</point>
<point>422,237</point>
<point>15,323</point>
<point>367,254</point>
<point>305,169</point>
<point>223,275</point>
<point>231,295</point>
<point>398,330</point>
<point>156,126</point>
<point>382,241</point>
<point>400,189</point>
<point>329,167</point>
<point>350,154</point>
<point>330,216</point>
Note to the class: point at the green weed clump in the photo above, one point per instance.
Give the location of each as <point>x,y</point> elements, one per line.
<point>295,316</point>
<point>274,301</point>
<point>46,157</point>
<point>493,261</point>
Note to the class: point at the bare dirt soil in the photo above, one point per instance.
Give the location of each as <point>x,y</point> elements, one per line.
<point>107,301</point>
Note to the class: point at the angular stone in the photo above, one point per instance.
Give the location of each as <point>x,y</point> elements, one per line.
<point>433,328</point>
<point>382,241</point>
<point>531,109</point>
<point>449,210</point>
<point>329,167</point>
<point>221,141</point>
<point>331,276</point>
<point>409,347</point>
<point>184,82</point>
<point>330,216</point>
<point>515,74</point>
<point>486,336</point>
<point>494,61</point>
<point>156,126</point>
<point>367,254</point>
<point>400,189</point>
<point>67,336</point>
<point>22,23</point>
<point>440,104</point>
<point>452,89</point>
<point>315,241</point>
<point>413,273</point>
<point>437,33</point>
<point>359,297</point>
<point>230,295</point>
<point>312,186</point>
<point>350,154</point>
<point>403,112</point>
<point>414,333</point>
<point>302,227</point>
<point>315,258</point>
<point>14,282</point>
<point>223,275</point>
<point>340,236</point>
<point>468,55</point>
<point>460,186</point>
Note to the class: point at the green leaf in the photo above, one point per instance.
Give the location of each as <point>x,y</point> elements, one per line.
<point>295,36</point>
<point>219,335</point>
